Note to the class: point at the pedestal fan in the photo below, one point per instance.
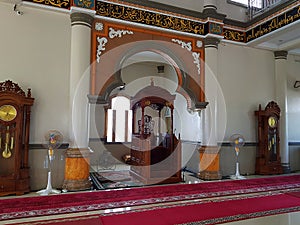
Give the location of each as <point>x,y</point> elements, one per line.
<point>237,141</point>
<point>53,139</point>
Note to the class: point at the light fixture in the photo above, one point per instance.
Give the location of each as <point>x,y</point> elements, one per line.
<point>18,12</point>
<point>122,87</point>
<point>167,112</point>
<point>160,69</point>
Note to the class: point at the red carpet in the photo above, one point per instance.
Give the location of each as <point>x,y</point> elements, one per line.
<point>209,213</point>
<point>197,213</point>
<point>89,201</point>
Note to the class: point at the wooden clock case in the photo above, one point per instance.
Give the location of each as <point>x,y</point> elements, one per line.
<point>14,139</point>
<point>268,159</point>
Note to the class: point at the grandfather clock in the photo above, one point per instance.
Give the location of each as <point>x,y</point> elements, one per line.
<point>14,138</point>
<point>268,152</point>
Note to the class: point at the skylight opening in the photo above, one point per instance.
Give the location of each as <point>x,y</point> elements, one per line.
<point>252,3</point>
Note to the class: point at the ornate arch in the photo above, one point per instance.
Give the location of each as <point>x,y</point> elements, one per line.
<point>112,44</point>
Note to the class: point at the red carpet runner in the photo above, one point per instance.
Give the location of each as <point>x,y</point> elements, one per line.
<point>209,213</point>
<point>90,201</point>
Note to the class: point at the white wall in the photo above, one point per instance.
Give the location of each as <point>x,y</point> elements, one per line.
<point>293,74</point>
<point>246,76</point>
<point>293,101</point>
<point>34,52</point>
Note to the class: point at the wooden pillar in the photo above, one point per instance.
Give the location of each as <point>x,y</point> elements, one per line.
<point>209,163</point>
<point>77,170</point>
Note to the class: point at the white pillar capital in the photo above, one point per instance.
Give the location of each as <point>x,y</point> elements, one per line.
<point>211,42</point>
<point>280,55</point>
<point>81,18</point>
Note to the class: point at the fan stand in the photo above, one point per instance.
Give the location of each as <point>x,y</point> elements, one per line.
<point>49,189</point>
<point>237,175</point>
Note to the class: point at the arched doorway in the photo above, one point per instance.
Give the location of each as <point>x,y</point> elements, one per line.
<point>135,57</point>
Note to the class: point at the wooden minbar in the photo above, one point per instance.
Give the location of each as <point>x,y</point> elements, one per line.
<point>155,150</point>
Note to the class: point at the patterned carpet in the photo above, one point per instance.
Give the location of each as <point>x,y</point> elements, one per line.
<point>189,196</point>
<point>209,212</point>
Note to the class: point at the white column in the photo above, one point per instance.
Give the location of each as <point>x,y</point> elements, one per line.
<point>281,98</point>
<point>209,152</point>
<point>211,92</point>
<point>78,154</point>
<point>80,78</point>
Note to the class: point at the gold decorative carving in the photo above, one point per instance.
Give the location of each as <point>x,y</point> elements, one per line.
<point>169,104</point>
<point>150,18</point>
<point>215,28</point>
<point>234,35</point>
<point>56,3</point>
<point>84,3</point>
<point>274,24</point>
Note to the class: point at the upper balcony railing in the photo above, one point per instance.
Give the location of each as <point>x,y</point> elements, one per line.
<point>257,7</point>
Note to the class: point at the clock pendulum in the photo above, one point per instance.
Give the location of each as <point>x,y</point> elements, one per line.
<point>8,146</point>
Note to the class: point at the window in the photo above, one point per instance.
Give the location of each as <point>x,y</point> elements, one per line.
<point>252,3</point>
<point>243,2</point>
<point>119,120</point>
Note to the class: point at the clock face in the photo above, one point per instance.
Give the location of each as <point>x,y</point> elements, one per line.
<point>8,113</point>
<point>272,121</point>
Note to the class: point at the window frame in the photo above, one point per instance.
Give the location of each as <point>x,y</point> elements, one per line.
<point>237,3</point>
<point>127,128</point>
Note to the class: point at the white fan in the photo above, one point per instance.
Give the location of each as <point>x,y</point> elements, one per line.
<point>237,141</point>
<point>53,140</point>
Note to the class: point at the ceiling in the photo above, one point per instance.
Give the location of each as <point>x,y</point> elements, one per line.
<point>286,38</point>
